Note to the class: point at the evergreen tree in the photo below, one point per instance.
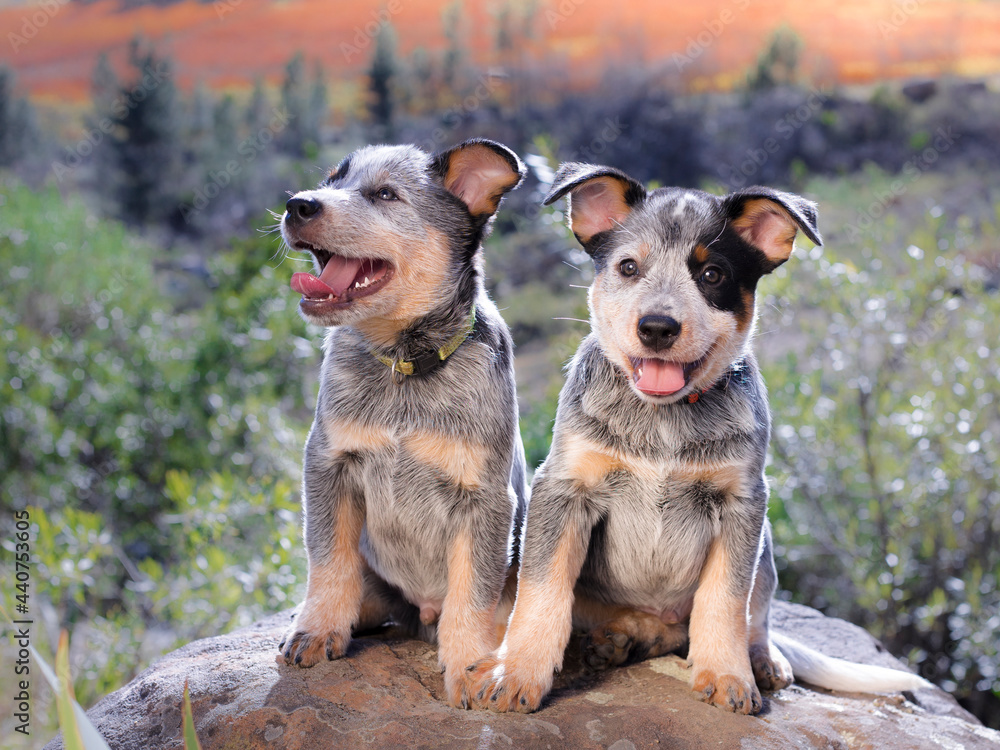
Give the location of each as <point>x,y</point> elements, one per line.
<point>294,101</point>
<point>778,64</point>
<point>316,109</point>
<point>105,91</point>
<point>381,75</point>
<point>258,109</point>
<point>225,125</point>
<point>16,120</point>
<point>104,86</point>
<point>146,143</point>
<point>453,54</point>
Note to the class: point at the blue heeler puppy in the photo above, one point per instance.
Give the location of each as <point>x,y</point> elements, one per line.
<point>647,526</point>
<point>414,470</point>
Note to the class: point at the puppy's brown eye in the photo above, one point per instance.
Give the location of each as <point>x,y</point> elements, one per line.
<point>628,267</point>
<point>387,194</point>
<point>711,276</point>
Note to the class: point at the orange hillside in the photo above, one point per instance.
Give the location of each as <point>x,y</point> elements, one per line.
<point>53,48</point>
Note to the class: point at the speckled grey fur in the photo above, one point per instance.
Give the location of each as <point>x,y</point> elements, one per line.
<point>649,539</point>
<point>412,511</point>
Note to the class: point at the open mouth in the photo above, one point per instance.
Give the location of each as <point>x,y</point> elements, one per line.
<point>341,280</point>
<point>657,377</point>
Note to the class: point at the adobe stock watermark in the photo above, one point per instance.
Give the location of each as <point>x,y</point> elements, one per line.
<point>76,155</point>
<point>696,45</point>
<point>913,170</point>
<point>249,149</point>
<point>902,11</point>
<point>737,175</point>
<point>565,9</point>
<point>363,35</point>
<point>38,20</point>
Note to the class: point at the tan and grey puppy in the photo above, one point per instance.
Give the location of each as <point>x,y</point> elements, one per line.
<point>414,470</point>
<point>648,522</point>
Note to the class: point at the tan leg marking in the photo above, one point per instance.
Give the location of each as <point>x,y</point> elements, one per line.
<point>322,629</point>
<point>518,675</point>
<point>719,650</point>
<point>466,632</point>
<point>618,634</point>
<point>461,462</point>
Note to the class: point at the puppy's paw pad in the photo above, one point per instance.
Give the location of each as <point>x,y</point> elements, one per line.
<point>606,647</point>
<point>771,670</point>
<point>728,692</point>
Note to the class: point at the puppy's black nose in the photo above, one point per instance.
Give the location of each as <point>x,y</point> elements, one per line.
<point>658,331</point>
<point>301,210</point>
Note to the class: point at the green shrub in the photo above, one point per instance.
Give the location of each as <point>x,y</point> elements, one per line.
<point>886,501</point>
<point>156,445</point>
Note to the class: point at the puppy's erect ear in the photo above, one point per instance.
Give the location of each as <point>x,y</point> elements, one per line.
<point>600,197</point>
<point>769,220</point>
<point>479,172</point>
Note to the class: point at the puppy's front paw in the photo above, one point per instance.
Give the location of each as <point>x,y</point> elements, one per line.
<point>727,691</point>
<point>771,670</point>
<point>306,649</point>
<point>503,686</point>
<point>458,688</point>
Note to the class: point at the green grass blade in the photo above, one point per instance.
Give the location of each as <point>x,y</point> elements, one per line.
<point>64,697</point>
<point>190,738</point>
<point>78,730</point>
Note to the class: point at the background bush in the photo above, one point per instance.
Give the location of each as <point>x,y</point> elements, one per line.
<point>886,503</point>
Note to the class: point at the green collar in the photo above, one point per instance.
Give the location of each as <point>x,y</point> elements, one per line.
<point>426,363</point>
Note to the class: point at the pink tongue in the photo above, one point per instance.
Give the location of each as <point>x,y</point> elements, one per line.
<point>336,277</point>
<point>659,378</point>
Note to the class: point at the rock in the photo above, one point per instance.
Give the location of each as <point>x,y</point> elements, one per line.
<point>386,694</point>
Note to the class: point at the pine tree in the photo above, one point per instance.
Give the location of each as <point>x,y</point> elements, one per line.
<point>778,64</point>
<point>16,120</point>
<point>381,75</point>
<point>453,54</point>
<point>316,109</point>
<point>258,109</point>
<point>294,101</point>
<point>146,143</point>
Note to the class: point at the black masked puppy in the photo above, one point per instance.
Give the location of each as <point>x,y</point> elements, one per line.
<point>647,526</point>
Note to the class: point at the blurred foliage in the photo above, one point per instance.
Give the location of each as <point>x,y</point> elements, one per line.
<point>886,500</point>
<point>778,64</point>
<point>105,388</point>
<point>154,447</point>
